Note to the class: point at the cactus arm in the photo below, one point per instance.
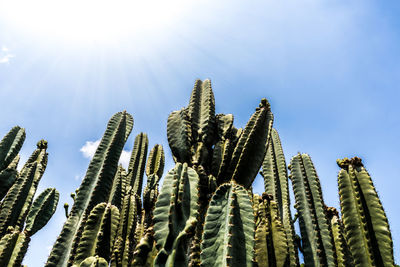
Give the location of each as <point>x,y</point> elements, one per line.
<point>42,210</point>
<point>314,226</point>
<point>94,261</point>
<point>118,188</point>
<point>179,135</point>
<point>228,237</point>
<point>276,184</point>
<point>343,255</point>
<point>251,147</point>
<point>223,149</point>
<point>156,161</point>
<point>10,145</point>
<point>137,163</point>
<point>201,111</point>
<point>224,125</point>
<point>122,251</point>
<point>39,155</point>
<point>96,185</point>
<point>99,233</point>
<point>175,215</point>
<point>13,247</point>
<point>271,246</point>
<point>366,226</point>
<point>14,202</point>
<point>7,179</point>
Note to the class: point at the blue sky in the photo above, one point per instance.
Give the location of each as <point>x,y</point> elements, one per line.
<point>330,69</point>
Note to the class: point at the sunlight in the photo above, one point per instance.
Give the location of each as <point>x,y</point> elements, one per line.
<point>91,20</point>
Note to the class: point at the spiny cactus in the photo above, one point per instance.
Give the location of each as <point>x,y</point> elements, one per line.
<point>95,187</point>
<point>99,233</point>
<point>271,242</point>
<point>9,148</point>
<point>343,255</point>
<point>314,226</point>
<point>366,226</point>
<point>175,215</point>
<point>205,213</point>
<point>228,238</point>
<point>20,215</point>
<point>276,184</point>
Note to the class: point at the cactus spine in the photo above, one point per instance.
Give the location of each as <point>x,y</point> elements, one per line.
<point>366,227</point>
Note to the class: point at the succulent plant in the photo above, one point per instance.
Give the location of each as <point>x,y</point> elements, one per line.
<point>205,213</point>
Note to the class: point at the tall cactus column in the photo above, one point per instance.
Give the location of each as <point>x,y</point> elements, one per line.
<point>276,184</point>
<point>95,188</point>
<point>366,226</point>
<point>314,226</point>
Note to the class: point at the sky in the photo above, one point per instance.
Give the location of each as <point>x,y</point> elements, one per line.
<point>330,69</point>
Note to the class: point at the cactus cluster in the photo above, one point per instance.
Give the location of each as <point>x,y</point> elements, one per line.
<point>21,216</point>
<point>205,213</point>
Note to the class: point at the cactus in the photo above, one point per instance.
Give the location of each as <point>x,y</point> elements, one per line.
<point>276,184</point>
<point>251,146</point>
<point>15,206</point>
<point>137,163</point>
<point>366,226</point>
<point>314,226</point>
<point>94,261</point>
<point>228,238</point>
<point>20,215</point>
<point>99,233</point>
<point>205,213</point>
<point>9,148</point>
<point>344,258</point>
<point>175,215</point>
<point>271,242</point>
<point>41,210</point>
<point>95,187</point>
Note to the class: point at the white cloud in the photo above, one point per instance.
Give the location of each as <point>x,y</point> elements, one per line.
<point>90,147</point>
<point>5,55</point>
<point>124,159</point>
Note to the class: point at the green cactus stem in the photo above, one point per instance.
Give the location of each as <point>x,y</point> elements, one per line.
<point>41,210</point>
<point>179,134</point>
<point>125,241</point>
<point>314,226</point>
<point>366,226</point>
<point>10,145</point>
<point>118,189</point>
<point>99,233</point>
<point>228,238</point>
<point>276,184</point>
<point>175,215</point>
<point>94,261</point>
<point>13,247</point>
<point>95,187</point>
<point>137,163</point>
<point>251,146</point>
<point>271,244</point>
<point>15,205</point>
<point>343,255</point>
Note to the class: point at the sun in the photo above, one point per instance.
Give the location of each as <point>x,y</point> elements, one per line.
<point>83,21</point>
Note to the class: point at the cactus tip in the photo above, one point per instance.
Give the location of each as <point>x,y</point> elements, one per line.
<point>42,144</point>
